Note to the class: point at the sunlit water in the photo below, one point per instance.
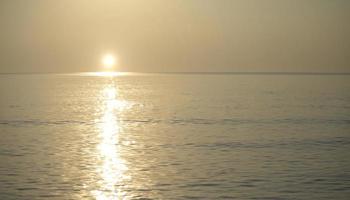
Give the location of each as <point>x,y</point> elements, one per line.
<point>174,136</point>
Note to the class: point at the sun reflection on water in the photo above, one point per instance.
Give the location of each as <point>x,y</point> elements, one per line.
<point>112,167</point>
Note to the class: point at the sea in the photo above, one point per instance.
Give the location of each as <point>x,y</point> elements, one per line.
<point>175,136</point>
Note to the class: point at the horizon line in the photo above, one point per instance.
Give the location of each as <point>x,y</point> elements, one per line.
<point>188,73</point>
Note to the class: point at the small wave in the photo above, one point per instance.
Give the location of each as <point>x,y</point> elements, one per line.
<point>258,121</point>
<point>190,121</point>
<point>306,143</point>
<point>41,122</point>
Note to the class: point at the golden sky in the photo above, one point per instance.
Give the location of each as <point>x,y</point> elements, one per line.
<point>175,35</point>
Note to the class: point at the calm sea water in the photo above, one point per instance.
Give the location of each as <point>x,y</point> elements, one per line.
<point>157,136</point>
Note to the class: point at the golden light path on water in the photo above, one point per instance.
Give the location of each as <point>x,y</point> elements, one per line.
<point>112,167</point>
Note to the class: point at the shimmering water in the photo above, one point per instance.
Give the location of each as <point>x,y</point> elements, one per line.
<point>174,136</point>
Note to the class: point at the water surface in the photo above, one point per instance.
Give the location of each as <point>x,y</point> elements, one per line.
<point>174,136</point>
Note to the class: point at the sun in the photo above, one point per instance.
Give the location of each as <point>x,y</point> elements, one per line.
<point>108,61</point>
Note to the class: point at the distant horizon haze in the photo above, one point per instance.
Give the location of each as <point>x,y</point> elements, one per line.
<point>235,36</point>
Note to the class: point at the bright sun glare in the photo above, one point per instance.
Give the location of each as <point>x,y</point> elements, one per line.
<point>108,61</point>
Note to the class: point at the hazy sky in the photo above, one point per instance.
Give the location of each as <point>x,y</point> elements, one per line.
<point>175,35</point>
